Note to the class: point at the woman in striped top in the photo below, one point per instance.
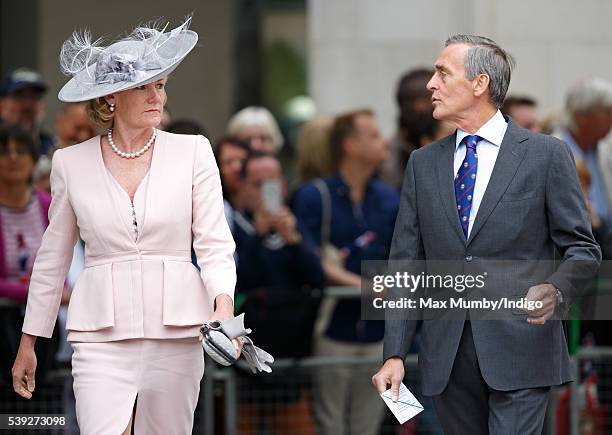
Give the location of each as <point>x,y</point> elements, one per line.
<point>23,219</point>
<point>23,212</point>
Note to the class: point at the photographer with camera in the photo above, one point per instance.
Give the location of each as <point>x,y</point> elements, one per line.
<point>281,277</point>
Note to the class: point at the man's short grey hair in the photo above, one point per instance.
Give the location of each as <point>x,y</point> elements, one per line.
<point>486,57</point>
<point>584,96</point>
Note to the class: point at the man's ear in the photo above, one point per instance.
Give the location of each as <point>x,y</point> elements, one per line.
<point>480,84</point>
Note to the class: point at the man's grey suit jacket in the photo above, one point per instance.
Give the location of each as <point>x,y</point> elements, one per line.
<point>533,209</point>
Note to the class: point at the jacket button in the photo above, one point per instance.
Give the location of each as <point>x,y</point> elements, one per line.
<point>468,258</point>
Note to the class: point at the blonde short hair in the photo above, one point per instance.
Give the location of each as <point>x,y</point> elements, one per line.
<point>98,111</point>
<point>313,150</point>
<point>256,116</point>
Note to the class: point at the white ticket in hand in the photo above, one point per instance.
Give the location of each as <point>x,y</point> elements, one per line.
<point>406,407</point>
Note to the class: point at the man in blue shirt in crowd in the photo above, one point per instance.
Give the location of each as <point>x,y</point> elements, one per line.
<point>362,213</point>
<point>587,120</point>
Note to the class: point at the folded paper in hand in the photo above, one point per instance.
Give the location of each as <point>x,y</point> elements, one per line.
<point>406,407</point>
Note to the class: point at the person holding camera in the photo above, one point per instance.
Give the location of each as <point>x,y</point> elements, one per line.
<point>281,279</point>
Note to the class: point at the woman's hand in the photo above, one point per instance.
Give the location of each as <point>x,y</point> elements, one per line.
<point>66,293</point>
<point>24,367</point>
<point>224,310</point>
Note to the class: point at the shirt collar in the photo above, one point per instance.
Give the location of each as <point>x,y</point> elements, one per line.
<point>567,137</point>
<point>492,131</point>
<point>342,189</point>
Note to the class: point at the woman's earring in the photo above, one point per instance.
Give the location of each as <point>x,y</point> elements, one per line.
<point>112,107</point>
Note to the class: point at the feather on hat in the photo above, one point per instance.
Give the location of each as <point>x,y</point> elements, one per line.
<point>147,54</point>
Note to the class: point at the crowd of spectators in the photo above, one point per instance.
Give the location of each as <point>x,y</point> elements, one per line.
<point>294,238</point>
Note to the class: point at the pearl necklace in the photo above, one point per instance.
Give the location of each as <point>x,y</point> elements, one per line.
<point>134,154</point>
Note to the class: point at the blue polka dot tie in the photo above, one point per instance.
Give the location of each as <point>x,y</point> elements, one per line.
<point>465,181</point>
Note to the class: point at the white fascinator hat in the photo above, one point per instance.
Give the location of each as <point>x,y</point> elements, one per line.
<point>144,56</point>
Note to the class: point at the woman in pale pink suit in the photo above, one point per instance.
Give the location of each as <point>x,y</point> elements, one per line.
<point>139,198</point>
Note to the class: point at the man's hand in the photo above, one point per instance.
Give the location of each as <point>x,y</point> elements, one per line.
<point>391,373</point>
<point>547,294</point>
<point>263,221</point>
<point>284,223</point>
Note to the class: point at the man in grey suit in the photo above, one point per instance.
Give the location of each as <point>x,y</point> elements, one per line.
<point>491,191</point>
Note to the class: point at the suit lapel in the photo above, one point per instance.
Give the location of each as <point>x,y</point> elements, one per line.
<point>511,153</point>
<point>445,174</point>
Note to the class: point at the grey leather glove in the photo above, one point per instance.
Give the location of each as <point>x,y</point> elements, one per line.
<point>257,358</point>
<point>234,328</point>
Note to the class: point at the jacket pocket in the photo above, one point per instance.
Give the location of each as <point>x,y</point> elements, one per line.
<point>186,302</point>
<point>91,303</point>
<point>519,196</point>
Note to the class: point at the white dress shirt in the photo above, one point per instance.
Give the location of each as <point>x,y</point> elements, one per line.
<point>492,134</point>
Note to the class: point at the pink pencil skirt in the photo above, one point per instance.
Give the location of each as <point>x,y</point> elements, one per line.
<point>164,374</point>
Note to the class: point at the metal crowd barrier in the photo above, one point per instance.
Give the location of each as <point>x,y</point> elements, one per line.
<point>258,405</point>
<point>248,402</point>
<point>233,402</point>
<point>580,408</point>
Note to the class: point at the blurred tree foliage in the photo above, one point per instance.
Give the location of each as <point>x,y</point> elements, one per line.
<point>284,75</point>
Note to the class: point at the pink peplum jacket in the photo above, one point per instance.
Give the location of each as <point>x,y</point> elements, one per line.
<point>134,289</point>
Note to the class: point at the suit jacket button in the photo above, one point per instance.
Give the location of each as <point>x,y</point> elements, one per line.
<point>468,258</point>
